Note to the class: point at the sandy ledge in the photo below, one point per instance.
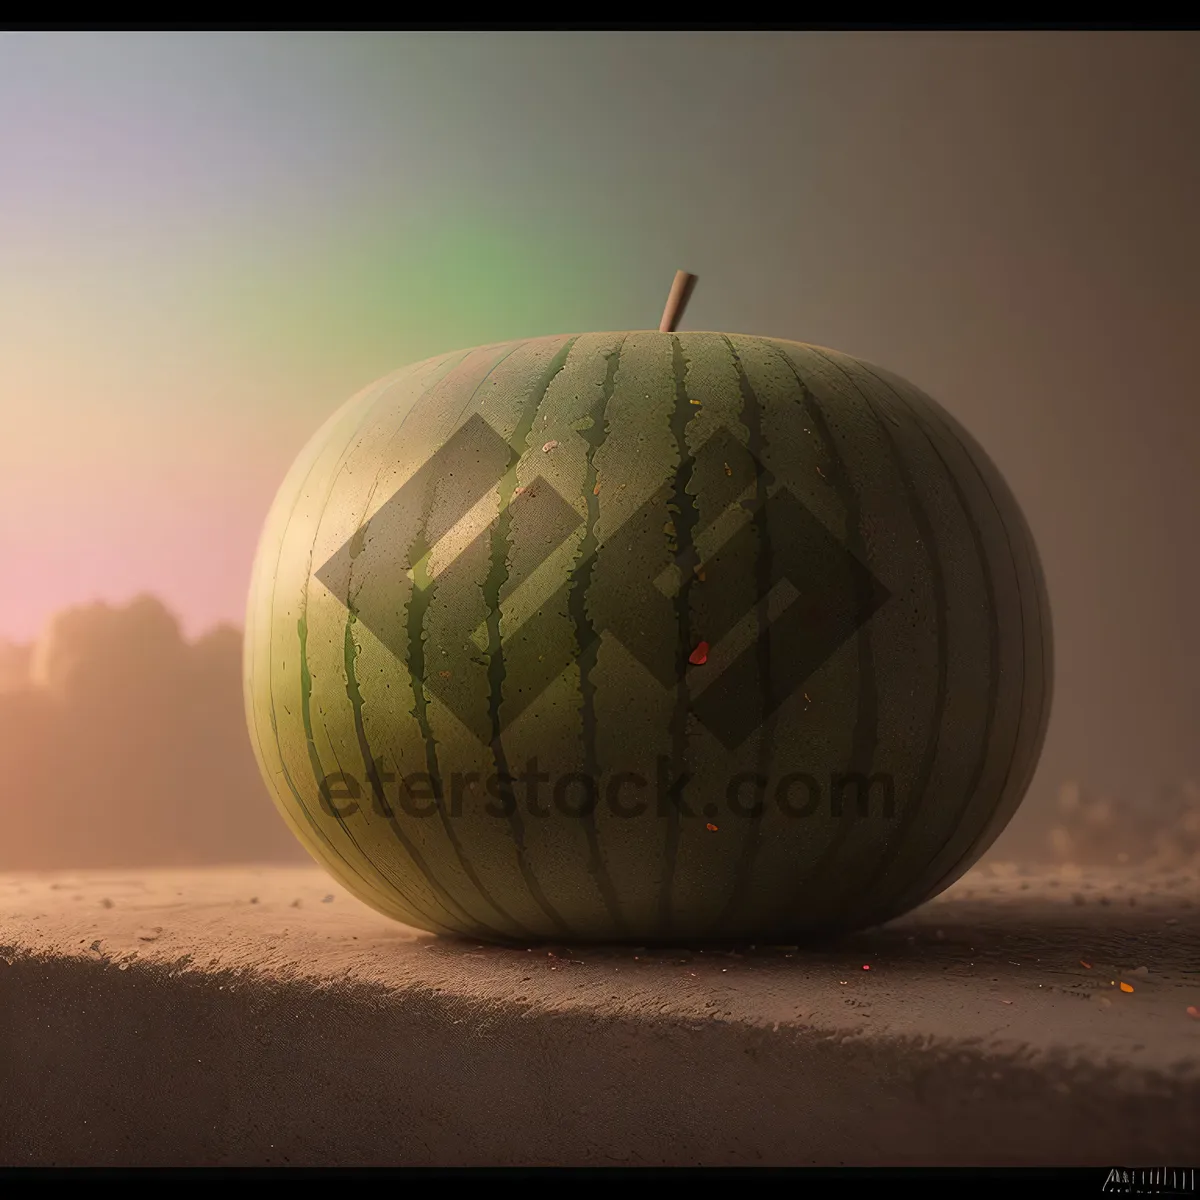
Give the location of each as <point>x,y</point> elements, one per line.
<point>248,1016</point>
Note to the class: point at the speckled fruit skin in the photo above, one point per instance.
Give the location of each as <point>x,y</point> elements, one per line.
<point>419,645</point>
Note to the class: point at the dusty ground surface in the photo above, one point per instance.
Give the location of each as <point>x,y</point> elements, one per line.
<point>253,1016</point>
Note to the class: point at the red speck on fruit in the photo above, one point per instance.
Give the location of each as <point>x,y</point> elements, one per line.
<point>866,966</point>
<point>699,656</point>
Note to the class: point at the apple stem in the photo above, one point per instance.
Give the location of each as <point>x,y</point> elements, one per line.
<point>681,293</point>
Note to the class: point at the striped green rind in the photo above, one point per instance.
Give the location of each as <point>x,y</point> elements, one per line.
<point>945,688</point>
